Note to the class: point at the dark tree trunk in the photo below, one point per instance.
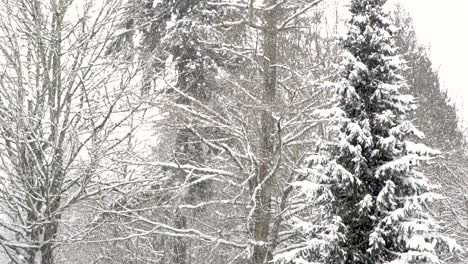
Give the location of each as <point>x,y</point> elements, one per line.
<point>262,185</point>
<point>180,245</point>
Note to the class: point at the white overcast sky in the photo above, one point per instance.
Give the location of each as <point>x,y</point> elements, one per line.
<point>443,24</point>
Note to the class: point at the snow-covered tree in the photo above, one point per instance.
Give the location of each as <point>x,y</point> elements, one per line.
<point>59,97</point>
<point>373,197</point>
<point>434,104</point>
<point>437,117</point>
<point>236,103</point>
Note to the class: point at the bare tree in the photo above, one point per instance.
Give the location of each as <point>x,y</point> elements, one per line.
<point>61,104</point>
<point>240,105</point>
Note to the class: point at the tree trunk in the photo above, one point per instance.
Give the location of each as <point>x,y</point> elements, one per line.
<point>180,245</point>
<point>262,186</point>
<point>50,232</point>
<point>191,82</point>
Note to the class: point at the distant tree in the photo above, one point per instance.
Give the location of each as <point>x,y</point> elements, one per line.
<point>373,197</point>
<point>437,117</point>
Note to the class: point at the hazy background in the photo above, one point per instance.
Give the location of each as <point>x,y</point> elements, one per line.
<point>443,25</point>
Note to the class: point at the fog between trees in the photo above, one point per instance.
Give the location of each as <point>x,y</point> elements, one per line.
<point>221,131</point>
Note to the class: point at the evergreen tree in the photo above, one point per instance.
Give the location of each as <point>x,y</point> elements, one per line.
<point>436,116</point>
<point>379,194</point>
<point>179,64</point>
<point>374,199</point>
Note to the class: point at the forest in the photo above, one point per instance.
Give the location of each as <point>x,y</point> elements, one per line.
<point>225,132</point>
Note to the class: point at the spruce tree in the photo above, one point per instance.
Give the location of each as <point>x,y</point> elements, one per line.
<point>378,193</point>
<point>437,117</point>
<point>372,193</point>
